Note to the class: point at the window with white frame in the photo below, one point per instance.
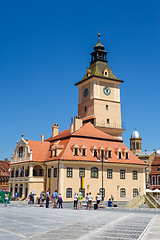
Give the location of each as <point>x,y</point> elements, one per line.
<point>135,192</point>
<point>135,175</point>
<point>122,192</point>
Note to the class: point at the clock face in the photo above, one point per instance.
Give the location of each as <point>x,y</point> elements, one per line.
<point>85,92</point>
<point>107,91</point>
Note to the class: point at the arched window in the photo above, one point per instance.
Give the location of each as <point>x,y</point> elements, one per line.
<point>137,145</point>
<point>123,192</point>
<point>94,172</point>
<point>68,192</point>
<point>38,171</point>
<point>135,192</point>
<point>20,152</point>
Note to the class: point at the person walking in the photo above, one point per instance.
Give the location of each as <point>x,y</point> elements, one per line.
<point>75,200</point>
<point>55,198</point>
<point>41,199</point>
<point>87,201</point>
<point>60,200</point>
<point>90,198</point>
<point>47,199</point>
<point>80,197</point>
<point>98,198</point>
<point>6,199</point>
<point>30,198</point>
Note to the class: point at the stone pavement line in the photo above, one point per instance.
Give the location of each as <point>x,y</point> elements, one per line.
<point>97,231</point>
<point>13,233</point>
<point>22,222</point>
<point>39,235</point>
<point>147,229</point>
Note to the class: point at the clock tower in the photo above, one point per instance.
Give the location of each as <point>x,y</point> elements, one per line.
<point>99,94</point>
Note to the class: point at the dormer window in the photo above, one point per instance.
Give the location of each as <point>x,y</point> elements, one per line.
<point>102,153</point>
<point>55,153</point>
<point>88,72</point>
<point>94,153</point>
<point>20,152</point>
<point>127,155</point>
<point>105,73</point>
<point>83,152</point>
<point>76,151</point>
<point>109,154</point>
<point>119,153</point>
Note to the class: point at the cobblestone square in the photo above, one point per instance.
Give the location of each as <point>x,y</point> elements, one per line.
<point>23,221</point>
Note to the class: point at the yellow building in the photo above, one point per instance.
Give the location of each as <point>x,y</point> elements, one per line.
<point>83,158</point>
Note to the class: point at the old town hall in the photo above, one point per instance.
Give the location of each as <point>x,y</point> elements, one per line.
<point>90,155</point>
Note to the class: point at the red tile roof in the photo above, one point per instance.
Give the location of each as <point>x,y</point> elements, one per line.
<point>89,136</point>
<point>62,134</point>
<point>39,150</point>
<point>4,167</point>
<point>88,130</point>
<point>155,166</point>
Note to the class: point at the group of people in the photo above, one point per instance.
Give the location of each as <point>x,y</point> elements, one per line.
<point>55,198</point>
<point>78,199</point>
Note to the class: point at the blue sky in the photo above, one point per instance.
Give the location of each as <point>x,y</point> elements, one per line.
<point>45,49</point>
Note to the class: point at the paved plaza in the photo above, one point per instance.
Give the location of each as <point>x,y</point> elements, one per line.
<point>23,221</point>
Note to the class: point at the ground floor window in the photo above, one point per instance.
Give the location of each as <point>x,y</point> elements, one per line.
<point>100,191</point>
<point>68,192</point>
<point>135,192</point>
<point>123,192</point>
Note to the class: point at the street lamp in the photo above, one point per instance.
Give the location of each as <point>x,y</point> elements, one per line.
<point>100,157</point>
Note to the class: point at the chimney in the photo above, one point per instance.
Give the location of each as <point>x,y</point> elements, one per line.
<point>42,138</point>
<point>77,123</point>
<point>72,127</point>
<point>55,130</point>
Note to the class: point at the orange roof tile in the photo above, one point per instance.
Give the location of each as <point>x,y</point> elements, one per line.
<point>4,167</point>
<point>62,134</point>
<point>39,150</point>
<point>88,130</point>
<point>89,136</point>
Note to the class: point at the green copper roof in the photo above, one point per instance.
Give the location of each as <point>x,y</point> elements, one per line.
<point>97,69</point>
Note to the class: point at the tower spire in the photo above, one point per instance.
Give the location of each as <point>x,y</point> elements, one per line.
<point>99,54</point>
